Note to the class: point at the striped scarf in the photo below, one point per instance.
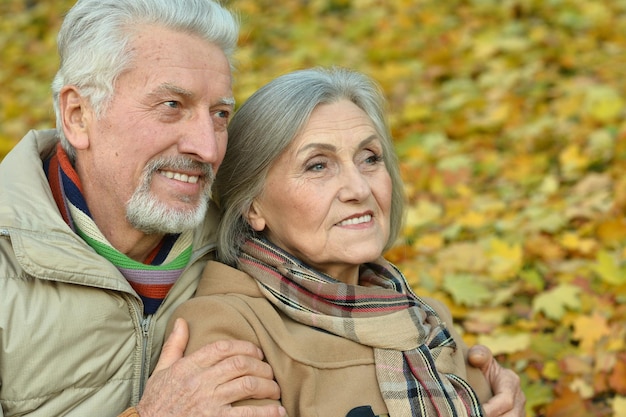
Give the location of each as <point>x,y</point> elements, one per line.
<point>411,345</point>
<point>152,279</point>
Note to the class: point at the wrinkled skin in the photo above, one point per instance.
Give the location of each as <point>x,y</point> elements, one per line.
<point>207,381</point>
<point>508,399</point>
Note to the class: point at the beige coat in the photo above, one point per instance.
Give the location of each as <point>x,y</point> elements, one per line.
<point>319,374</point>
<point>73,340</point>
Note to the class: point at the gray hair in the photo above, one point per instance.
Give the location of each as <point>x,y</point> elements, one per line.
<point>94,39</point>
<point>269,121</point>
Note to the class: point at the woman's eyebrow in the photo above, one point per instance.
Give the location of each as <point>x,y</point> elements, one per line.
<point>318,145</point>
<point>331,147</point>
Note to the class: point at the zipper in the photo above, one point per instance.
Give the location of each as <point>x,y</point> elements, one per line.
<point>145,360</point>
<point>146,321</point>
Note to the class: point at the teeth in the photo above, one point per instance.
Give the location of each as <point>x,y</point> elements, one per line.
<point>180,177</point>
<point>356,220</point>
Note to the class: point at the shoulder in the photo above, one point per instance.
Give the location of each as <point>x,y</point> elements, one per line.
<point>219,278</point>
<point>442,310</point>
<point>227,305</point>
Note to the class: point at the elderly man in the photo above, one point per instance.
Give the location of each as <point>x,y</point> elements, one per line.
<point>105,225</point>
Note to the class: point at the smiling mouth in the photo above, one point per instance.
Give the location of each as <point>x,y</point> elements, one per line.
<point>356,220</point>
<point>191,179</point>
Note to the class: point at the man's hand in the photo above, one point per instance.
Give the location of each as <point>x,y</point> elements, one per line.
<point>508,399</point>
<point>209,380</point>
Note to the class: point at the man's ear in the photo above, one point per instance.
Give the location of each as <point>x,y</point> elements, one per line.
<point>75,116</point>
<point>255,217</point>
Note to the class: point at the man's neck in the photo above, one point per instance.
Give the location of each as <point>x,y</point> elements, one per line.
<point>126,239</point>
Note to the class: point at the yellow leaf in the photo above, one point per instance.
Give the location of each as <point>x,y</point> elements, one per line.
<point>423,213</point>
<point>505,343</point>
<point>429,242</point>
<point>572,160</point>
<point>573,242</point>
<point>608,268</point>
<point>416,112</point>
<point>472,220</point>
<point>505,259</point>
<point>589,329</point>
<point>619,406</point>
<point>551,371</point>
<point>612,232</point>
<point>603,104</point>
<point>468,257</point>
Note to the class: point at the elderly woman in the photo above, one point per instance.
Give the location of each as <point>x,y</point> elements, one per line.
<point>311,197</point>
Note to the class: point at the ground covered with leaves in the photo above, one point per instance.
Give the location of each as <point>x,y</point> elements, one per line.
<point>510,121</point>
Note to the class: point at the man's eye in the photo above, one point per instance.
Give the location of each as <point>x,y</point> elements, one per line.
<point>223,114</point>
<point>172,104</point>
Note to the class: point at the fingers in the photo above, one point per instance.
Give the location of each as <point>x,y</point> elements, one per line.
<point>218,351</point>
<point>479,356</point>
<point>174,346</point>
<point>500,405</point>
<point>246,388</point>
<point>508,399</point>
<point>506,404</point>
<point>264,411</point>
<point>237,371</point>
<point>209,380</point>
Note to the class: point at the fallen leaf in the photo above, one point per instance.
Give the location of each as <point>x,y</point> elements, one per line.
<point>619,406</point>
<point>609,269</point>
<point>589,330</point>
<point>506,343</point>
<point>582,387</point>
<point>568,404</point>
<point>553,303</point>
<point>505,259</point>
<point>466,289</point>
<point>617,380</point>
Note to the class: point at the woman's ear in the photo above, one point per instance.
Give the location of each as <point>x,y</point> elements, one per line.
<point>255,217</point>
<point>75,116</point>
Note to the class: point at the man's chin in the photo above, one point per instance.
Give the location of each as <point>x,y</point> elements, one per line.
<point>157,219</point>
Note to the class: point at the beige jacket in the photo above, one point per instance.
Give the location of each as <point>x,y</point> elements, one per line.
<point>73,339</point>
<point>319,374</point>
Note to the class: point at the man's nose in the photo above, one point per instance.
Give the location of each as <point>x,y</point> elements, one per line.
<point>200,140</point>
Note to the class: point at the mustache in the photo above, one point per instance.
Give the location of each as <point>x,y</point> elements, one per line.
<point>180,163</point>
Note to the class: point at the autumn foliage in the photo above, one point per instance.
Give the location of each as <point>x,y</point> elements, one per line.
<point>510,123</point>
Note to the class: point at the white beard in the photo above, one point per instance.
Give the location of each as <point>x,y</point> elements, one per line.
<point>149,215</point>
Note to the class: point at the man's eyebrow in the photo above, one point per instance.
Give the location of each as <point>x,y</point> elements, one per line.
<point>229,101</point>
<point>168,88</point>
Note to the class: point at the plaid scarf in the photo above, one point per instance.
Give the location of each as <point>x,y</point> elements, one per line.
<point>411,345</point>
<point>152,279</point>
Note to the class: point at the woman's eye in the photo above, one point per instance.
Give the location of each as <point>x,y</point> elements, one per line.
<point>373,159</point>
<point>317,166</point>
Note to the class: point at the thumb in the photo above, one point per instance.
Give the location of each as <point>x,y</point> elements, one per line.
<point>479,356</point>
<point>174,346</point>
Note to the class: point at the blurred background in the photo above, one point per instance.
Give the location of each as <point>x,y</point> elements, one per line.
<point>510,121</point>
